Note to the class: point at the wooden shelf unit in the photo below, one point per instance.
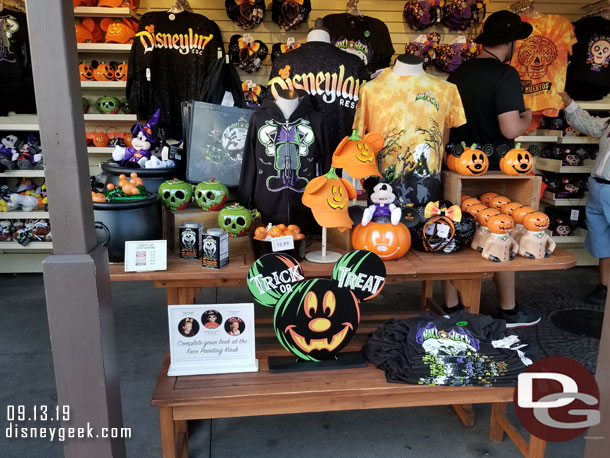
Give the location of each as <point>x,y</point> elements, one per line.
<point>103,48</point>
<point>32,246</point>
<point>111,117</point>
<point>94,11</point>
<point>24,215</point>
<point>103,84</point>
<point>555,165</point>
<point>22,174</point>
<point>19,122</point>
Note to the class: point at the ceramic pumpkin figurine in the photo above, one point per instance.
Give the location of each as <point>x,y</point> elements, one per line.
<point>474,210</point>
<point>510,207</point>
<point>469,203</point>
<point>472,161</point>
<point>536,243</point>
<point>120,73</point>
<point>103,72</point>
<point>86,72</point>
<point>486,197</point>
<point>314,319</point>
<point>386,240</point>
<point>500,246</point>
<point>518,215</point>
<point>498,202</point>
<point>482,232</point>
<point>518,161</point>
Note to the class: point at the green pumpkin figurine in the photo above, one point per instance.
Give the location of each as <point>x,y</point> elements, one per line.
<point>176,194</point>
<point>211,195</point>
<point>235,219</point>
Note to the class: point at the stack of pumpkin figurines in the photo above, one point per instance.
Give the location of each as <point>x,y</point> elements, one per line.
<point>506,228</point>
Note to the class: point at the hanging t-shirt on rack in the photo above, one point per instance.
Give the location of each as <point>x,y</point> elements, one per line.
<point>332,77</point>
<point>16,80</point>
<point>366,37</point>
<point>168,64</point>
<point>411,113</point>
<point>542,60</point>
<point>280,158</point>
<point>588,75</point>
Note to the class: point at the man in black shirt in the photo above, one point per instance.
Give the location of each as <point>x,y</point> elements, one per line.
<point>495,113</point>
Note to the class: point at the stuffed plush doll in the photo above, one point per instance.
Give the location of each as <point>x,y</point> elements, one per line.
<point>8,152</point>
<point>500,246</point>
<point>383,208</point>
<point>536,243</point>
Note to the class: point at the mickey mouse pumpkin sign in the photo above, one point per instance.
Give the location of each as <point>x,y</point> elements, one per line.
<point>314,319</point>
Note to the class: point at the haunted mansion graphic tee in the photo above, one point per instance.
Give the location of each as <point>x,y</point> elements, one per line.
<point>411,113</point>
<point>281,157</point>
<point>588,75</point>
<point>330,76</point>
<point>168,64</point>
<point>16,80</point>
<point>364,36</point>
<point>542,60</point>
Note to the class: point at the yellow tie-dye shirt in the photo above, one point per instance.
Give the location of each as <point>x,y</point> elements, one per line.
<point>411,113</point>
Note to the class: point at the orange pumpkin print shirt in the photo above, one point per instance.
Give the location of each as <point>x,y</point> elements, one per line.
<point>542,62</point>
<point>411,114</point>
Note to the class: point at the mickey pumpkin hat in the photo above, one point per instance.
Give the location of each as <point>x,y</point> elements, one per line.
<point>358,156</point>
<point>328,197</point>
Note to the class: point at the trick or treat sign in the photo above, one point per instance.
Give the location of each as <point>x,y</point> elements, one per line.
<point>211,339</point>
<point>314,319</point>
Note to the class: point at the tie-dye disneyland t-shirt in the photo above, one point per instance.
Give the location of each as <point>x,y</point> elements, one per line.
<point>411,113</point>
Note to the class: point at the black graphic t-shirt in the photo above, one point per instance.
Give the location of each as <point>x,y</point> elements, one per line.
<point>168,64</point>
<point>333,79</point>
<point>280,158</point>
<point>16,81</point>
<point>588,76</point>
<point>484,99</point>
<point>366,37</point>
<point>461,349</point>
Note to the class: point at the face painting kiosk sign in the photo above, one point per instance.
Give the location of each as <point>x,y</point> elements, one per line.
<point>314,319</point>
<point>211,339</point>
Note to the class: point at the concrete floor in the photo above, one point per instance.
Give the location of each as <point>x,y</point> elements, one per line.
<point>26,371</point>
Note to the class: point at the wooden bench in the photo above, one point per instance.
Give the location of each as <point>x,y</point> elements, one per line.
<point>180,399</point>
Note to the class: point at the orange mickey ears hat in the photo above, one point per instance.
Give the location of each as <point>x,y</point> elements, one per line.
<point>328,197</point>
<point>358,156</point>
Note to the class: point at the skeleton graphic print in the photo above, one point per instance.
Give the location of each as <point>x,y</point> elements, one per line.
<point>542,60</point>
<point>8,27</point>
<point>599,52</point>
<point>286,143</point>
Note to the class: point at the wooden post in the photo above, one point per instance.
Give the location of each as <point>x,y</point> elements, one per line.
<point>76,277</point>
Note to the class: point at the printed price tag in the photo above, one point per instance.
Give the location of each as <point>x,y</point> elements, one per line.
<point>165,153</point>
<point>248,38</point>
<point>290,42</point>
<point>251,84</point>
<point>430,229</point>
<point>442,230</point>
<point>147,74</point>
<point>282,243</point>
<point>228,100</point>
<point>574,214</point>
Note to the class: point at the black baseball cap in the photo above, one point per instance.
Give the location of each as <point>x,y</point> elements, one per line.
<point>503,27</point>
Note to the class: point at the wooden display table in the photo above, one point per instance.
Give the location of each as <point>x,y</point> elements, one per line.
<point>466,269</point>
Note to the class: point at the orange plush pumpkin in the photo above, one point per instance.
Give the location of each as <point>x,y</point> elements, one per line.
<point>486,197</point>
<point>500,224</point>
<point>384,239</point>
<point>517,161</point>
<point>499,201</point>
<point>469,203</point>
<point>520,213</point>
<point>536,221</point>
<point>473,161</point>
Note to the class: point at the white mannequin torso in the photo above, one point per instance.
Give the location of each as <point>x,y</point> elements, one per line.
<point>287,106</point>
<point>402,69</point>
